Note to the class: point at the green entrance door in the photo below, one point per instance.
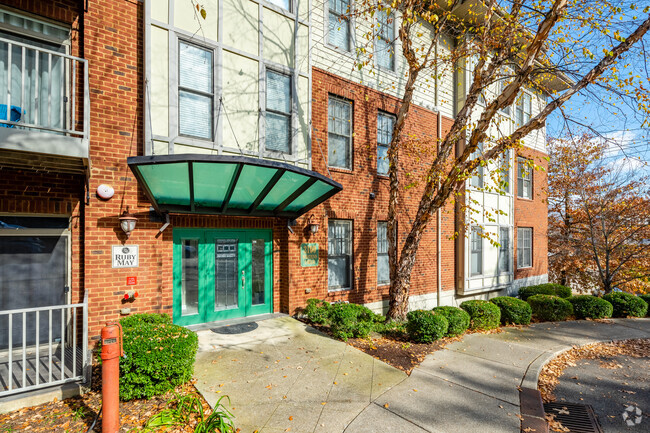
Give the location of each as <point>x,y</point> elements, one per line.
<point>221,274</point>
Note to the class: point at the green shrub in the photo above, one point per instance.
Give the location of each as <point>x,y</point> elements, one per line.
<point>458,319</point>
<point>550,308</point>
<point>545,289</point>
<point>646,298</point>
<point>591,307</point>
<point>159,356</point>
<point>318,311</point>
<point>351,320</point>
<point>425,326</point>
<point>513,310</point>
<point>626,304</point>
<point>483,314</point>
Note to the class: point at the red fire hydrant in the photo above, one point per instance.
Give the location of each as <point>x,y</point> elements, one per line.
<point>111,353</point>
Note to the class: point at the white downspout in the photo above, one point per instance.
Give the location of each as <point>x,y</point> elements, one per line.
<point>439,211</point>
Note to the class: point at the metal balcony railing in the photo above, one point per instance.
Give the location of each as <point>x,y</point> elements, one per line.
<point>43,90</point>
<point>43,346</point>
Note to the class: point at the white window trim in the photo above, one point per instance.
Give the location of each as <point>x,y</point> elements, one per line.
<point>478,230</point>
<point>508,251</point>
<point>520,100</point>
<point>292,102</point>
<point>387,146</point>
<point>382,283</point>
<point>530,259</point>
<point>351,269</point>
<point>351,34</point>
<point>530,171</point>
<point>278,8</point>
<point>350,147</point>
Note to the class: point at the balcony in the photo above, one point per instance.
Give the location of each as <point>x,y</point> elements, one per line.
<point>44,109</point>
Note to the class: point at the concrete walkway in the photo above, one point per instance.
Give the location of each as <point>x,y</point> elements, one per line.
<point>287,375</point>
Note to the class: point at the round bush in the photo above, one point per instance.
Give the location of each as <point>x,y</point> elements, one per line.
<point>483,314</point>
<point>626,304</point>
<point>513,310</point>
<point>591,307</point>
<point>351,320</point>
<point>550,308</point>
<point>317,311</point>
<point>159,356</point>
<point>424,326</point>
<point>545,289</point>
<point>646,298</point>
<point>458,319</point>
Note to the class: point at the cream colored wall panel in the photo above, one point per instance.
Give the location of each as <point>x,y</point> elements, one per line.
<point>160,10</point>
<point>187,18</point>
<point>504,204</point>
<point>491,205</point>
<point>160,147</point>
<point>240,99</point>
<point>303,49</point>
<point>185,148</point>
<point>240,28</point>
<point>475,284</point>
<point>302,139</point>
<point>278,38</point>
<point>490,252</point>
<point>303,8</point>
<point>159,91</point>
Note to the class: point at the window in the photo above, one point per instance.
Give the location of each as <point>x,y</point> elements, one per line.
<point>339,254</point>
<point>504,249</point>
<point>477,178</point>
<point>505,171</point>
<point>338,34</point>
<point>473,62</point>
<point>476,248</point>
<point>383,268</point>
<point>524,178</point>
<point>284,4</point>
<point>278,112</point>
<point>385,41</point>
<point>195,91</point>
<point>503,83</point>
<point>524,247</point>
<point>339,133</point>
<point>385,124</point>
<point>523,109</point>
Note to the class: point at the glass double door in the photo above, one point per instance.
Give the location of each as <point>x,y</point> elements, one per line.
<point>221,274</point>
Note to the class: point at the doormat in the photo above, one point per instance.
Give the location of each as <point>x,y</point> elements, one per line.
<point>240,328</point>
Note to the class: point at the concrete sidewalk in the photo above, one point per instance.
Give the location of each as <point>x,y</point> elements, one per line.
<point>288,375</point>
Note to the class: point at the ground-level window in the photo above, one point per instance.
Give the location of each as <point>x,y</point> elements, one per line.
<point>476,249</point>
<point>524,178</point>
<point>504,249</point>
<point>339,254</point>
<point>383,270</point>
<point>524,247</point>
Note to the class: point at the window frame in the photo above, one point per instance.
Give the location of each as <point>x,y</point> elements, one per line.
<point>521,249</point>
<point>522,163</point>
<point>350,240</point>
<point>383,254</point>
<point>291,5</point>
<point>505,171</point>
<point>507,110</point>
<point>384,145</point>
<point>476,231</point>
<point>520,107</point>
<point>479,175</point>
<point>350,148</point>
<point>180,88</point>
<point>391,44</point>
<point>347,20</point>
<point>291,114</point>
<point>504,248</point>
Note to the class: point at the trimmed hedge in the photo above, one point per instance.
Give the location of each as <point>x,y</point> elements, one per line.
<point>352,320</point>
<point>646,298</point>
<point>425,326</point>
<point>458,319</point>
<point>545,289</point>
<point>513,310</point>
<point>483,314</point>
<point>626,304</point>
<point>550,308</point>
<point>159,356</point>
<point>591,307</point>
<point>318,311</point>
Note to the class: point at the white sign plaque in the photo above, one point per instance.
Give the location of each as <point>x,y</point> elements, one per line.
<point>125,256</point>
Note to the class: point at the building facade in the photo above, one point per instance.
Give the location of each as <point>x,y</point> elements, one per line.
<point>249,152</point>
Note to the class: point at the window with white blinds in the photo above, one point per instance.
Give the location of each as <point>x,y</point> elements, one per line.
<point>338,34</point>
<point>524,247</point>
<point>383,269</point>
<point>339,254</point>
<point>195,91</point>
<point>385,124</point>
<point>339,133</point>
<point>504,249</point>
<point>476,250</point>
<point>524,179</point>
<point>524,109</point>
<point>385,50</point>
<point>278,112</point>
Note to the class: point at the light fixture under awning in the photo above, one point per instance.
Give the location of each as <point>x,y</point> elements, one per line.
<point>230,185</point>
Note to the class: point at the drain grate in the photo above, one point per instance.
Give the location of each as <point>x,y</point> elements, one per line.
<point>578,418</point>
<point>240,328</point>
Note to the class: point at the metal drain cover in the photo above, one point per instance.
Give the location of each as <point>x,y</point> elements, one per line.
<point>240,328</point>
<point>578,418</point>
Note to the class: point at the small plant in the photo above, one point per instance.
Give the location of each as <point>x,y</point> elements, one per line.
<point>183,409</point>
<point>626,304</point>
<point>79,413</point>
<point>458,319</point>
<point>483,315</point>
<point>646,298</point>
<point>318,311</point>
<point>351,320</point>
<point>550,308</point>
<point>425,326</point>
<point>591,307</point>
<point>513,310</point>
<point>545,289</point>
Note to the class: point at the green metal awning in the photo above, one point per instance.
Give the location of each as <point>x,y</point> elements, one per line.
<point>230,185</point>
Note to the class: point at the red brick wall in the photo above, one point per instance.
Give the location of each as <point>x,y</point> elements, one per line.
<point>533,213</point>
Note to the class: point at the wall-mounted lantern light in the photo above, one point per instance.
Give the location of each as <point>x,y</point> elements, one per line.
<point>127,222</point>
<point>313,227</point>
